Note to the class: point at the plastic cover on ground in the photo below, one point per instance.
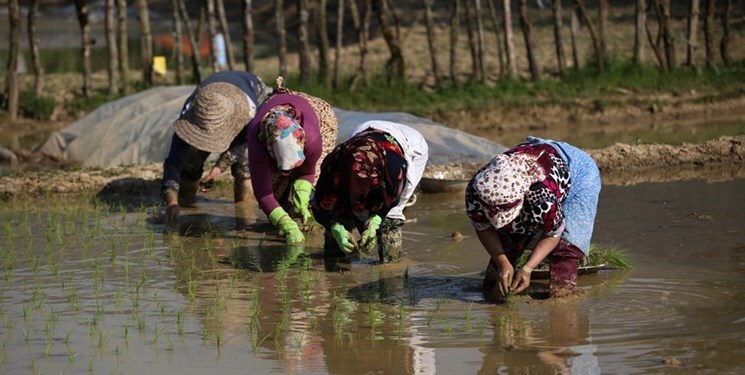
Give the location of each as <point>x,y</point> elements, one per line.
<point>137,129</point>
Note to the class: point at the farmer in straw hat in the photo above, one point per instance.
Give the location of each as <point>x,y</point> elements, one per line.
<point>287,140</point>
<point>213,120</point>
<point>538,188</point>
<point>365,184</point>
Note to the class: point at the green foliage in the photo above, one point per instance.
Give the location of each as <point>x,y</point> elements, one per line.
<point>82,105</point>
<point>35,106</point>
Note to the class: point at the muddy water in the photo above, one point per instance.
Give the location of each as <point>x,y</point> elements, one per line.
<point>91,288</point>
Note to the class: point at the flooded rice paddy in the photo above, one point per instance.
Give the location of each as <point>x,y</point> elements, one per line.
<point>97,286</point>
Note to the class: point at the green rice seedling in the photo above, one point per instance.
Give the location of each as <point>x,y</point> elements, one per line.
<point>180,321</point>
<point>481,327</point>
<point>468,312</point>
<point>609,256</point>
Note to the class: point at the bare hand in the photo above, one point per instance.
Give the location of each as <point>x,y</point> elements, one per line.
<point>210,177</point>
<point>522,281</point>
<point>505,278</point>
<point>172,213</point>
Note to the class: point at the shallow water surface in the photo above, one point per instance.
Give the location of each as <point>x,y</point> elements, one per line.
<point>103,288</point>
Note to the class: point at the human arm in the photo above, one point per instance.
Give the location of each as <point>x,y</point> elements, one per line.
<point>288,227</point>
<point>489,239</point>
<point>546,244</point>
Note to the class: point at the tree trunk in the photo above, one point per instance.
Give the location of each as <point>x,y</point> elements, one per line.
<point>323,42</point>
<point>454,32</point>
<point>692,44</point>
<point>535,70</point>
<point>574,22</point>
<point>473,44</point>
<point>122,43</point>
<point>603,27</point>
<point>509,44</point>
<point>304,43</point>
<point>363,32</point>
<point>178,52</point>
<point>33,44</point>
<point>600,63</point>
<point>639,22</point>
<point>655,42</point>
<point>225,28</point>
<point>481,40</point>
<point>11,74</point>
<point>81,8</point>
<point>498,36</point>
<point>279,22</point>
<point>195,63</point>
<point>667,34</point>
<point>339,40</point>
<point>113,53</point>
<point>709,31</point>
<point>560,58</point>
<point>396,68</point>
<point>724,44</point>
<point>212,33</point>
<point>429,21</point>
<point>146,43</point>
<point>249,45</point>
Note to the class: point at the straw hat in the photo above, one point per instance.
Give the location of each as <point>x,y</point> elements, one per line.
<point>217,114</point>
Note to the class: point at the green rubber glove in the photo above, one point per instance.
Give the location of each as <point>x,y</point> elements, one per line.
<point>289,228</point>
<point>301,199</point>
<point>369,236</point>
<point>343,238</point>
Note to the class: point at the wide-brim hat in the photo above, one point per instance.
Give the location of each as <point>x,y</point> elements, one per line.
<point>217,114</point>
<point>501,186</point>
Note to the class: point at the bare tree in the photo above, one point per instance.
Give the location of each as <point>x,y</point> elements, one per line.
<point>248,36</point>
<point>146,42</point>
<point>279,22</point>
<point>597,46</point>
<point>212,32</point>
<point>429,21</point>
<point>122,44</point>
<point>560,58</point>
<point>339,39</point>
<point>195,63</point>
<point>225,28</point>
<point>395,67</point>
<point>454,32</point>
<point>473,44</point>
<point>639,22</point>
<point>81,8</point>
<point>709,31</point>
<point>574,22</point>
<point>603,27</point>
<point>724,44</point>
<point>509,44</point>
<point>497,34</point>
<point>667,33</point>
<point>655,42</point>
<point>535,70</point>
<point>481,39</point>
<point>304,43</point>
<point>323,42</point>
<point>178,51</point>
<point>692,44</point>
<point>33,45</point>
<point>362,24</point>
<point>11,74</point>
<point>113,53</point>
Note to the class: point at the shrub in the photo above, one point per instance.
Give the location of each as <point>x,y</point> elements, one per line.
<point>35,106</point>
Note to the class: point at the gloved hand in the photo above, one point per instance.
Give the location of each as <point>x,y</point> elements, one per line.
<point>288,227</point>
<point>343,238</point>
<point>301,199</point>
<point>370,235</point>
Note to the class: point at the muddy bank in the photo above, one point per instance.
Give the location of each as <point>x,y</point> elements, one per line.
<point>620,164</point>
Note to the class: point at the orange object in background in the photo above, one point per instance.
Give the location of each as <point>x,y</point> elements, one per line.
<point>167,42</point>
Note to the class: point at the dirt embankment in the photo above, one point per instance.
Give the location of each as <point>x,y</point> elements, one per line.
<point>620,164</point>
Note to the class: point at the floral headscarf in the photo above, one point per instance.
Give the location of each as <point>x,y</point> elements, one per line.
<point>284,137</point>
